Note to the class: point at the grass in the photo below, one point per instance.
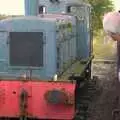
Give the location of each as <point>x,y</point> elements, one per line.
<point>103,46</point>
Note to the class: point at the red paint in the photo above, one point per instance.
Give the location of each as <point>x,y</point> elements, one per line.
<point>37,105</point>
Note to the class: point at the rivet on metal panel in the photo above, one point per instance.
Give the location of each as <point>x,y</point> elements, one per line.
<point>14,92</point>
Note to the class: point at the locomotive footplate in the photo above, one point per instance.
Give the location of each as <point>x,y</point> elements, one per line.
<point>79,71</point>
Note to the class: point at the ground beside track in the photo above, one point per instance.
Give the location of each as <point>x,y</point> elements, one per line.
<point>102,105</point>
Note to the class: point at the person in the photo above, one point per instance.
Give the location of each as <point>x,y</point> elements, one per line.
<point>115,36</point>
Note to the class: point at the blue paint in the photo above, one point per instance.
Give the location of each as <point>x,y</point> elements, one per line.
<point>74,45</point>
<point>30,25</point>
<point>31,7</point>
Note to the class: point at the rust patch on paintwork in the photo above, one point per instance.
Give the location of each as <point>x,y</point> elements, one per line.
<point>64,97</point>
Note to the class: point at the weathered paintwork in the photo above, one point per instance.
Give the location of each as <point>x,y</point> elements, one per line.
<point>53,37</point>
<point>11,104</point>
<point>32,6</point>
<point>66,38</point>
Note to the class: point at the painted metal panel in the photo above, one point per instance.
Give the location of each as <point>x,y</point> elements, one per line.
<point>82,47</point>
<point>53,37</point>
<point>3,51</point>
<point>83,34</point>
<point>30,25</point>
<point>37,106</point>
<point>31,7</point>
<point>66,44</point>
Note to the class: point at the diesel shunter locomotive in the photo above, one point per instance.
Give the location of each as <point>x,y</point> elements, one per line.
<point>45,58</point>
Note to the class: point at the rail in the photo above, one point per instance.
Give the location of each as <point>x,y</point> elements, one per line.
<point>106,61</point>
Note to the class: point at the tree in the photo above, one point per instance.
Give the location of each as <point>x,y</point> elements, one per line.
<point>3,17</point>
<point>99,8</point>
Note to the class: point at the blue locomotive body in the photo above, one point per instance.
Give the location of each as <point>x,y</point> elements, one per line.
<point>46,44</point>
<point>45,58</point>
<point>39,45</point>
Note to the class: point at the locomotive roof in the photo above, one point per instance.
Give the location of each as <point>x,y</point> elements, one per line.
<point>25,18</point>
<point>45,18</point>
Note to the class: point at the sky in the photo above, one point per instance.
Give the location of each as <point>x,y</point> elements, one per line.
<point>117,4</point>
<point>16,7</point>
<point>12,7</point>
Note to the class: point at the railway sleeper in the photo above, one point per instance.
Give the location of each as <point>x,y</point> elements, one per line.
<point>91,89</point>
<point>85,97</point>
<point>82,109</point>
<point>79,117</point>
<point>91,86</point>
<point>82,105</point>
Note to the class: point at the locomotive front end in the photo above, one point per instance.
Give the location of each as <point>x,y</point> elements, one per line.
<point>28,47</point>
<point>45,60</point>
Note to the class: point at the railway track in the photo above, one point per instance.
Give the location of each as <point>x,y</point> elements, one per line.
<point>87,93</point>
<point>100,71</point>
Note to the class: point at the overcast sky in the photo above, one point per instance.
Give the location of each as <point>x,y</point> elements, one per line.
<point>16,7</point>
<point>117,4</point>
